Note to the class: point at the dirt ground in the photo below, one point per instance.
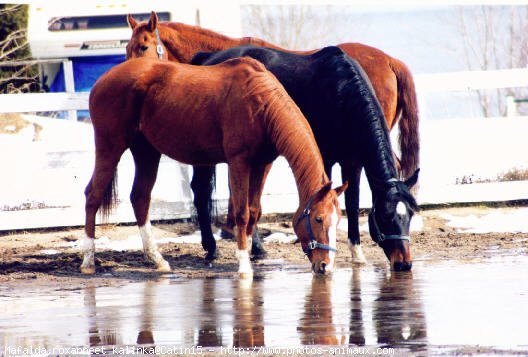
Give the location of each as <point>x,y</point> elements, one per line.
<point>46,255</point>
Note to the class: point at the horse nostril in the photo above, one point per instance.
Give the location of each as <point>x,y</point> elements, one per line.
<point>322,268</point>
<point>402,266</point>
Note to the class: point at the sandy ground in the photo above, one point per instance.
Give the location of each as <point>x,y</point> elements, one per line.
<point>26,255</point>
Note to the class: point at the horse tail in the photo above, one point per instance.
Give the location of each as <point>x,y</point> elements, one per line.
<point>110,198</point>
<point>409,137</point>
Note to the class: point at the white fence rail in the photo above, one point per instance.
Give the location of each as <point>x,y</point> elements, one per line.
<point>42,183</point>
<point>425,83</point>
<point>43,102</point>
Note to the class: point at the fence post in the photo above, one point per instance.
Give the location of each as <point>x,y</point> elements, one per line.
<point>69,84</point>
<point>511,106</point>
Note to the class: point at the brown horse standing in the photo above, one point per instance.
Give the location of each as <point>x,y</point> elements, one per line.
<point>236,112</point>
<point>392,81</point>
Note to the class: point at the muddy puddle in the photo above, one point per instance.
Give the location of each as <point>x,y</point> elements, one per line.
<point>442,307</point>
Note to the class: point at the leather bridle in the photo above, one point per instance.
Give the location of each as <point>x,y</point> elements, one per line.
<point>159,47</point>
<point>375,232</point>
<point>313,243</point>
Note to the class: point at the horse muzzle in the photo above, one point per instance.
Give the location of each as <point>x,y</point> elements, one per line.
<point>322,268</point>
<point>399,255</point>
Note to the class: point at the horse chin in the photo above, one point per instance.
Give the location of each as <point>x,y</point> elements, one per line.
<point>398,253</point>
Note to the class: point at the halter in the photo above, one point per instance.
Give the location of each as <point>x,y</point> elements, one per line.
<point>159,47</point>
<point>377,235</point>
<point>313,244</point>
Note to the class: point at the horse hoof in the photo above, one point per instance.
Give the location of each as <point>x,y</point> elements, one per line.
<point>227,234</point>
<point>259,255</point>
<point>210,256</point>
<point>163,267</point>
<point>88,270</point>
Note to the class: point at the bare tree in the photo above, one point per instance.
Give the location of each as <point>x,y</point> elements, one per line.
<point>296,27</point>
<point>14,47</point>
<point>494,37</point>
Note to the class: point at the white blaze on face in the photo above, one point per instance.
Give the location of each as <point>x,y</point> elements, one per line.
<point>401,209</point>
<point>332,238</point>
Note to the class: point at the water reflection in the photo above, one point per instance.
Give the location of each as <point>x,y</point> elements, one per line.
<point>316,325</point>
<point>98,336</point>
<point>209,332</point>
<point>357,328</point>
<point>248,329</point>
<point>398,312</point>
<point>145,335</point>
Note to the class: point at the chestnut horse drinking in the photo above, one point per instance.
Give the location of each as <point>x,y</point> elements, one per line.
<point>234,112</point>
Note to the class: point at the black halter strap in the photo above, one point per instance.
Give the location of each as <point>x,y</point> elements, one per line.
<point>159,47</point>
<point>375,232</point>
<point>313,243</point>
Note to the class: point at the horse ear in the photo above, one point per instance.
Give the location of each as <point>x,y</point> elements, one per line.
<point>153,21</point>
<point>411,181</point>
<point>131,22</point>
<point>339,190</point>
<point>323,191</point>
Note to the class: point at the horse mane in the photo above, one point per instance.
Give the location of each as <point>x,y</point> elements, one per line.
<point>209,40</point>
<point>348,85</point>
<point>289,131</point>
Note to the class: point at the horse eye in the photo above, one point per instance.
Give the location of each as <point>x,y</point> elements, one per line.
<point>143,48</point>
<point>319,219</point>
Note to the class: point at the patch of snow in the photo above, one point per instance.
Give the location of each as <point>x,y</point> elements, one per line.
<point>49,251</point>
<point>279,237</point>
<point>514,221</point>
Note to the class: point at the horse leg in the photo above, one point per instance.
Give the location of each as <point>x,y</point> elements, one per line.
<point>257,250</point>
<point>256,186</point>
<point>146,159</point>
<point>352,173</point>
<point>99,189</point>
<point>227,231</point>
<point>239,183</point>
<point>202,187</point>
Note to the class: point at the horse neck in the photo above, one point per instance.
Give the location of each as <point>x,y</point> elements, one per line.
<point>184,41</point>
<point>293,138</point>
<point>198,39</point>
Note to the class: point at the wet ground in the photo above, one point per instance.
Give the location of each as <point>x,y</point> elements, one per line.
<point>467,294</point>
<point>443,307</point>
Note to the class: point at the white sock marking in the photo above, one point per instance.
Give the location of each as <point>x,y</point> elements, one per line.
<point>88,249</point>
<point>150,247</point>
<point>357,253</point>
<point>244,264</point>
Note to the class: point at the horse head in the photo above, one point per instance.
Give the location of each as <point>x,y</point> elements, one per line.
<point>315,225</point>
<point>145,40</point>
<point>390,220</point>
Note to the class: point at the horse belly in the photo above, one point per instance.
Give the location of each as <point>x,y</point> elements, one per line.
<point>184,143</point>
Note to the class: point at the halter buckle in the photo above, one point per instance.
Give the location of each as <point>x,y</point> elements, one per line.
<point>312,245</point>
<point>306,212</point>
<point>159,50</point>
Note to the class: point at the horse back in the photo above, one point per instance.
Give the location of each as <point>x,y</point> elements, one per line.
<point>196,115</point>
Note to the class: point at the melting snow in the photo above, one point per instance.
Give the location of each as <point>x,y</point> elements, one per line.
<point>515,221</point>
